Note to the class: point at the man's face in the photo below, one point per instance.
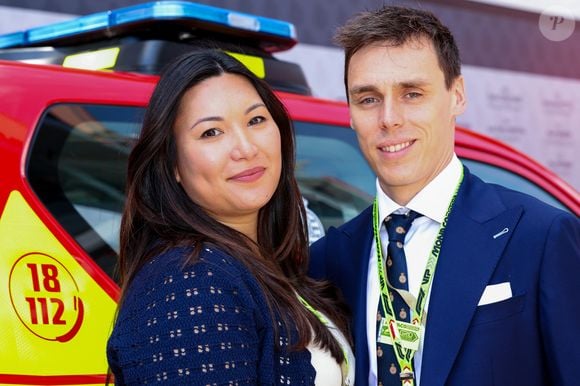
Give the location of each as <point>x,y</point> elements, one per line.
<point>403,114</point>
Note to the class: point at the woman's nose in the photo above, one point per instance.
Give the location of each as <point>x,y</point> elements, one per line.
<point>245,147</point>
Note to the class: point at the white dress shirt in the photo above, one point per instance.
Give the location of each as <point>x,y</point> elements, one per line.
<point>432,202</point>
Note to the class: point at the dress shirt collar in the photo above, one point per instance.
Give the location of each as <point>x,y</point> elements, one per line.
<point>432,201</point>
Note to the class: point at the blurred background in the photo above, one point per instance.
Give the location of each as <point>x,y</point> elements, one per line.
<point>520,59</point>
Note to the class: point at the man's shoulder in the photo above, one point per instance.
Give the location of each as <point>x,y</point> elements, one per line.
<point>363,219</point>
<point>360,223</point>
<point>511,198</point>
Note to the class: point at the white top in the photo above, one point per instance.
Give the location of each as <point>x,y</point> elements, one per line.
<point>328,371</point>
<point>432,202</point>
<point>313,223</point>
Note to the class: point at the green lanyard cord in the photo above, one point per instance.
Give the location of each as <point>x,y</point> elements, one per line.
<point>324,321</point>
<point>405,355</point>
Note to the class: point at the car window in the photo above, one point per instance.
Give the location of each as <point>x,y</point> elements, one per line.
<point>496,175</point>
<point>332,173</point>
<point>77,168</point>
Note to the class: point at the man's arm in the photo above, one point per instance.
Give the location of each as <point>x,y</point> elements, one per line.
<point>317,265</point>
<point>560,300</point>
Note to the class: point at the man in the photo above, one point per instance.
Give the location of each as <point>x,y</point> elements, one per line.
<point>503,305</point>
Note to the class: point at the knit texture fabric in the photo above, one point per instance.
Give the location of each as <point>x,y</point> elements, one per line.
<point>205,323</point>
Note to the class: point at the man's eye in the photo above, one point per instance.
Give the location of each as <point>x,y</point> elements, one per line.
<point>368,100</point>
<point>210,133</point>
<point>413,95</point>
<point>256,120</point>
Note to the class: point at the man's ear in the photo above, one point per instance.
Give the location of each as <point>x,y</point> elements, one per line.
<point>459,101</point>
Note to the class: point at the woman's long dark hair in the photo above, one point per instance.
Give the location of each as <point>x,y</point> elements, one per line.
<point>159,214</point>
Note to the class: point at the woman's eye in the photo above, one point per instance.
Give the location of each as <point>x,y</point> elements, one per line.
<point>211,133</point>
<point>256,120</point>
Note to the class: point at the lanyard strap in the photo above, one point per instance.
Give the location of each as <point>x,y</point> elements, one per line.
<point>324,321</point>
<point>405,355</point>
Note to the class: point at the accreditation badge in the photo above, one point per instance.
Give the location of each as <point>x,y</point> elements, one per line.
<point>407,334</point>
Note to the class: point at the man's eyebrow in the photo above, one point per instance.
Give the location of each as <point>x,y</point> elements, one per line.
<point>361,89</point>
<point>412,83</point>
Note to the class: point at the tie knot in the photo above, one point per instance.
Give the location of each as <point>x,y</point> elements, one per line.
<point>398,224</point>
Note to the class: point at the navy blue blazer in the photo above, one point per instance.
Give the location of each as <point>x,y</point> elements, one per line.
<point>531,339</point>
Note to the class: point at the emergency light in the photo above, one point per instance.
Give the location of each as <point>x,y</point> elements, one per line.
<point>144,38</point>
<point>113,23</point>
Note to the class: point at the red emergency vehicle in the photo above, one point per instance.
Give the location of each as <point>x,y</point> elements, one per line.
<point>65,134</point>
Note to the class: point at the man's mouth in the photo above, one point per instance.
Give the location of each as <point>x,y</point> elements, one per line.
<point>397,147</point>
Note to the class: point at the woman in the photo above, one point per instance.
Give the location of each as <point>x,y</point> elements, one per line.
<point>213,243</point>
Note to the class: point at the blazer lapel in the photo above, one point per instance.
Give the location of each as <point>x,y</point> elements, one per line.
<point>355,250</point>
<point>468,257</point>
<point>357,247</point>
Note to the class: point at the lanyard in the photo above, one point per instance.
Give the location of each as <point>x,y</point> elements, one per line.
<point>405,354</point>
<point>324,321</point>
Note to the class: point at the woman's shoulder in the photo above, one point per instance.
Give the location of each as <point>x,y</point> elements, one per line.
<point>173,274</point>
<point>176,263</point>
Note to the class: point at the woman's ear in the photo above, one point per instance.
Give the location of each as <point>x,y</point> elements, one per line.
<point>177,176</point>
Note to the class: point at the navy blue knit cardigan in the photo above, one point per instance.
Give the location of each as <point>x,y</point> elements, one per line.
<point>205,323</point>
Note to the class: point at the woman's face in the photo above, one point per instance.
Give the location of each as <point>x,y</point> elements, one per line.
<point>228,150</point>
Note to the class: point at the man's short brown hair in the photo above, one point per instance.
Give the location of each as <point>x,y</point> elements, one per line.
<point>396,26</point>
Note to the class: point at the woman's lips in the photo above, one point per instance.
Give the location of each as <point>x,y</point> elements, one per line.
<point>249,175</point>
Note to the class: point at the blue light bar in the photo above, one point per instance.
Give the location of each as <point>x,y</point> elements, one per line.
<point>93,22</point>
<point>160,10</point>
<point>12,39</point>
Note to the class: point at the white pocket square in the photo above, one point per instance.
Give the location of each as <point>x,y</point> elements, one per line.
<point>495,293</point>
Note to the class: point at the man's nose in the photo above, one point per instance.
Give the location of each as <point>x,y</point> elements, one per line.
<point>391,114</point>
